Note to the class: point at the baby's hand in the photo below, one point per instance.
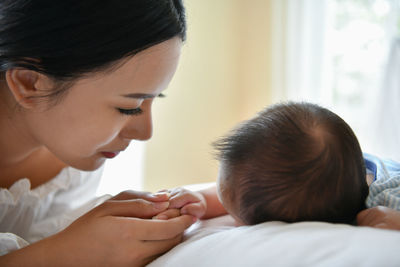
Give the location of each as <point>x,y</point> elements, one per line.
<point>189,202</point>
<point>185,202</point>
<point>379,217</point>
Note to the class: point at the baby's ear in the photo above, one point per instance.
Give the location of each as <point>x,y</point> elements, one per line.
<point>26,86</point>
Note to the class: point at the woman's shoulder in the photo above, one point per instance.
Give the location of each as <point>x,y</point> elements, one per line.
<point>23,208</point>
<point>65,183</point>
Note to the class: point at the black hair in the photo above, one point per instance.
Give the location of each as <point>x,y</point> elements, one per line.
<point>294,162</point>
<point>68,39</point>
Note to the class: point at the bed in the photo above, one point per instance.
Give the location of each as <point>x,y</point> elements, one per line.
<point>217,242</point>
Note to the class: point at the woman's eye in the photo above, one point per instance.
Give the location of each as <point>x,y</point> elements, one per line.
<point>135,111</point>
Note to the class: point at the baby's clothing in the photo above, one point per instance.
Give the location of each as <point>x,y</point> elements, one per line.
<point>29,215</point>
<point>385,189</point>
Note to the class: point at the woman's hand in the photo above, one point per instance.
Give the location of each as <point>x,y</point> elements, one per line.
<point>379,217</point>
<point>131,194</point>
<point>119,232</point>
<point>183,201</point>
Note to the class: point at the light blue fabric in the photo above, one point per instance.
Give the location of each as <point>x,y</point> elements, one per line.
<point>385,190</point>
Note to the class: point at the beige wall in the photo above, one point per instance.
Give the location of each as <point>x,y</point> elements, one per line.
<point>223,77</point>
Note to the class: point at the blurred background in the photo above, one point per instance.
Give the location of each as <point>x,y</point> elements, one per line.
<point>241,56</point>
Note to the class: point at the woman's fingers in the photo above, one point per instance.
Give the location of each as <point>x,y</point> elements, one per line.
<point>168,214</point>
<point>131,194</point>
<point>130,208</point>
<point>151,230</point>
<point>195,209</point>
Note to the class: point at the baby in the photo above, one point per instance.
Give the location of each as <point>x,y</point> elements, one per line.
<point>292,162</point>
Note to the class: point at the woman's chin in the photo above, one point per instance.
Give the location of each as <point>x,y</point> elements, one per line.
<point>88,164</point>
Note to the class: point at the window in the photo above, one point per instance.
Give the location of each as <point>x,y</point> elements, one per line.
<point>359,35</point>
<point>335,53</point>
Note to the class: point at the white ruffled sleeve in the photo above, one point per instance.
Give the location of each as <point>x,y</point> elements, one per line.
<point>10,242</point>
<point>29,215</point>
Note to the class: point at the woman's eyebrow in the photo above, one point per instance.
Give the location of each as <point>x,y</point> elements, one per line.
<point>139,95</point>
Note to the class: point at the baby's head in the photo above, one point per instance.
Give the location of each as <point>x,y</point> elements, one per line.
<point>292,162</point>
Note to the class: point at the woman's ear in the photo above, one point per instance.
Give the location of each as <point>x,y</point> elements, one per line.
<point>26,86</point>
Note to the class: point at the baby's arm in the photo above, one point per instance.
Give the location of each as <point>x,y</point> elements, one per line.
<point>202,204</point>
<point>380,217</point>
<point>214,206</point>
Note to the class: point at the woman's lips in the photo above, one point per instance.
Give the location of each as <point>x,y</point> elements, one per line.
<point>110,155</point>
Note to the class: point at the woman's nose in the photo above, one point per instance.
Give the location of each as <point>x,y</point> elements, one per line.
<point>139,127</point>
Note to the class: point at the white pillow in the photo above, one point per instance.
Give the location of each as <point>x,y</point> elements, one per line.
<point>282,244</point>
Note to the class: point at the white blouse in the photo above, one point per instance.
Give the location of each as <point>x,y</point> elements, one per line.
<point>27,216</point>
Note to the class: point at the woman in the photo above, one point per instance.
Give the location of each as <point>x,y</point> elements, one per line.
<point>78,82</point>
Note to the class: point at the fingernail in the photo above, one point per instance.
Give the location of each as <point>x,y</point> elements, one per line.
<point>161,205</point>
<point>194,219</point>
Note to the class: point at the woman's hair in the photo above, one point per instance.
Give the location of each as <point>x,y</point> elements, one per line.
<point>68,39</point>
<point>294,162</point>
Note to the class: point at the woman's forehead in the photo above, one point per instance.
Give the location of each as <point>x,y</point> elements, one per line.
<point>146,73</point>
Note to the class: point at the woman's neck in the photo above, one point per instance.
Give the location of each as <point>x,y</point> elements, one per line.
<point>22,156</point>
<point>39,167</point>
<point>16,141</point>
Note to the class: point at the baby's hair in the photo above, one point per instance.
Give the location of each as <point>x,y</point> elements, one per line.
<point>294,162</point>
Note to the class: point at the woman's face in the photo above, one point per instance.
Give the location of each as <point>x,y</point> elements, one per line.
<point>101,114</point>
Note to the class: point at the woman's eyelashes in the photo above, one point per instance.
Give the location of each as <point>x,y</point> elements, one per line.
<point>135,111</point>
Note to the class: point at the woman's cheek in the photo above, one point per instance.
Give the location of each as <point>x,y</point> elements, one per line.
<point>104,138</point>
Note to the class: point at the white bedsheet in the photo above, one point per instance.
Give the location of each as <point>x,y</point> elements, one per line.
<point>282,244</point>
